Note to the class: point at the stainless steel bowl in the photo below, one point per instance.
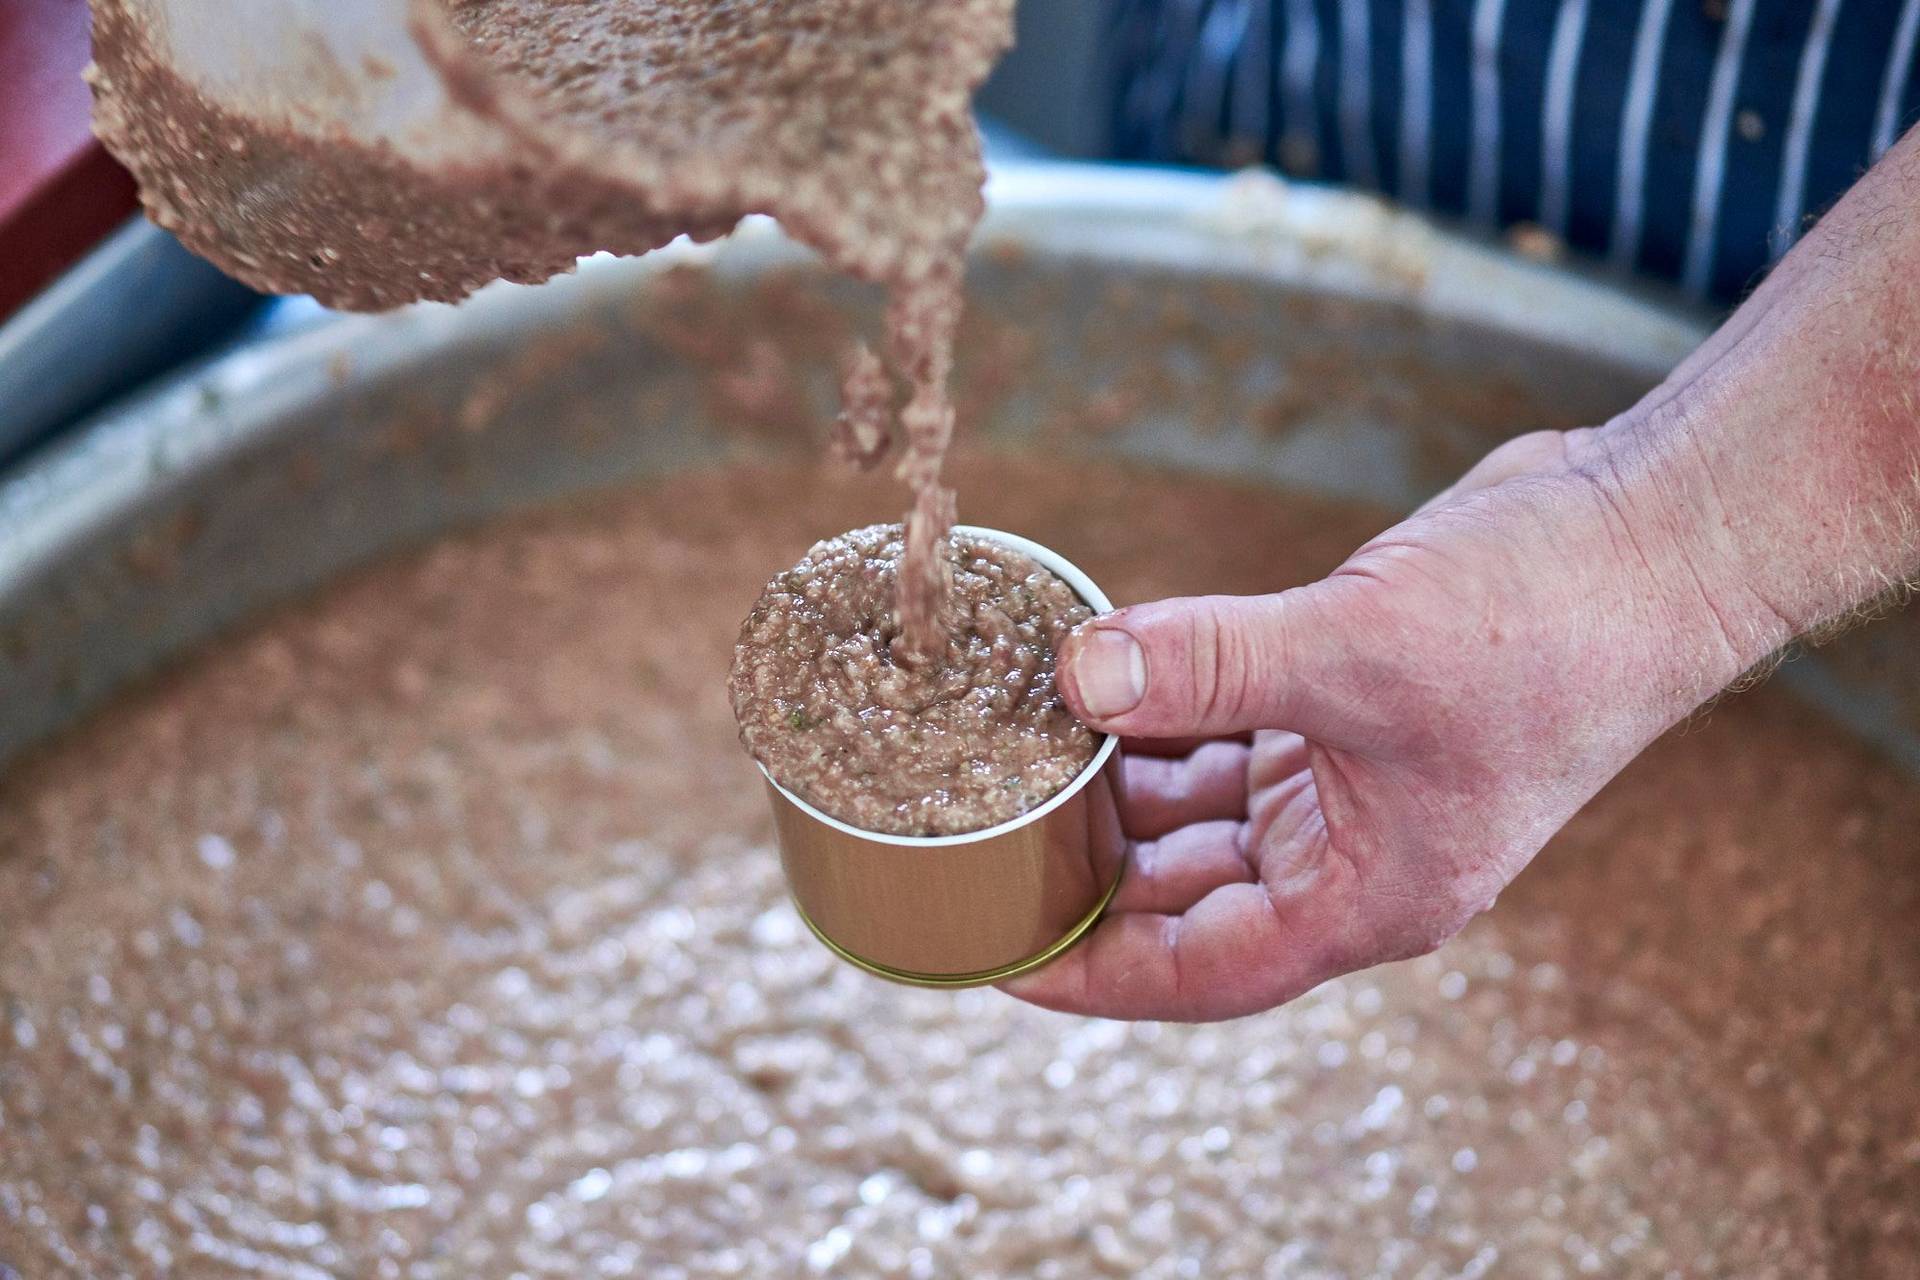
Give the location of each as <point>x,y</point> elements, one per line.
<point>1200,302</point>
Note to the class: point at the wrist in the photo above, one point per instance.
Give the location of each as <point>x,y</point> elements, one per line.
<point>1765,500</point>
<point>1678,554</point>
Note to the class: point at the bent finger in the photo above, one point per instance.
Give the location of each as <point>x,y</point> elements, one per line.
<point>1171,874</point>
<point>1241,949</point>
<point>1163,795</point>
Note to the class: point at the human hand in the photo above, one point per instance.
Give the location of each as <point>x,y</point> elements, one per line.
<point>1346,773</point>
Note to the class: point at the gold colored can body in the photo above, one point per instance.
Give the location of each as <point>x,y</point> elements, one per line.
<point>955,911</point>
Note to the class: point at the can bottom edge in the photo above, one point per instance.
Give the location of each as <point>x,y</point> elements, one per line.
<point>977,979</point>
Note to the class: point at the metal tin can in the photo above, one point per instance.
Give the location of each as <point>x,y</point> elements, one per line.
<point>962,910</point>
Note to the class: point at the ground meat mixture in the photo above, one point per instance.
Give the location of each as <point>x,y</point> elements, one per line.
<point>840,711</point>
<point>433,928</point>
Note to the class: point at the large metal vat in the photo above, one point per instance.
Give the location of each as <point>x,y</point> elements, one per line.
<point>1382,354</point>
<point>1294,335</point>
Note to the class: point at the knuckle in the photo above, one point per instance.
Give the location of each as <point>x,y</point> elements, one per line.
<point>1226,664</point>
<point>1532,451</point>
<point>1216,695</point>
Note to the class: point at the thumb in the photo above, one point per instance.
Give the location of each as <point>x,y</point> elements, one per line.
<point>1197,667</point>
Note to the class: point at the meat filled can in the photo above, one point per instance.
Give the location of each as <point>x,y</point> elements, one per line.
<point>963,910</point>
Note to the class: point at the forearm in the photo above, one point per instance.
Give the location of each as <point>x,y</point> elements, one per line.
<point>1774,481</point>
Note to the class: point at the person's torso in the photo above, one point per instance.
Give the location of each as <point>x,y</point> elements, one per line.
<point>1691,139</point>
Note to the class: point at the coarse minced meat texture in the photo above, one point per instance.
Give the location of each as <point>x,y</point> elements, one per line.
<point>970,740</point>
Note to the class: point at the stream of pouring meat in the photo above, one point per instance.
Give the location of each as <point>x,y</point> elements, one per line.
<point>633,122</point>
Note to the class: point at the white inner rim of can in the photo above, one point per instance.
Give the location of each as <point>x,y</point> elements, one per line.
<point>1095,598</point>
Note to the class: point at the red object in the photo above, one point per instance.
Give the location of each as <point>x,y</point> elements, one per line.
<point>60,192</point>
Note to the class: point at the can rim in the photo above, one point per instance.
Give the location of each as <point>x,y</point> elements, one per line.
<point>908,977</point>
<point>1096,599</point>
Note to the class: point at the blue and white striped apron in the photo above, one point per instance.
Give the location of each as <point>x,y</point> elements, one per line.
<point>1689,139</point>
